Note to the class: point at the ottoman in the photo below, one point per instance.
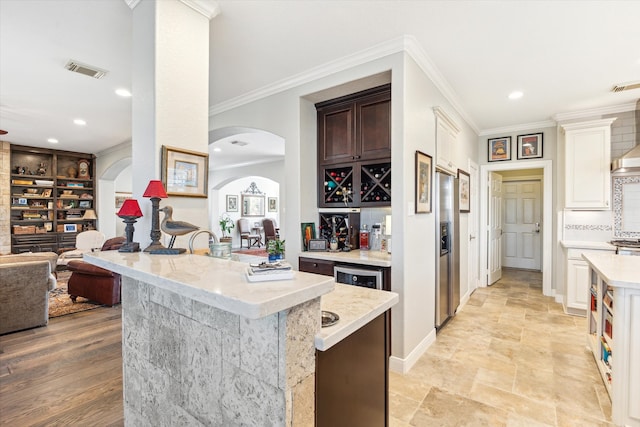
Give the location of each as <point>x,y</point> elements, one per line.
<point>94,283</point>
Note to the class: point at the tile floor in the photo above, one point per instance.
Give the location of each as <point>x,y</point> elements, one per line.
<point>510,357</point>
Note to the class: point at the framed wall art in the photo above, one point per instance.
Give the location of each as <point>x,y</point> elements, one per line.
<point>232,203</point>
<point>121,197</point>
<point>184,172</point>
<point>308,230</point>
<point>499,149</point>
<point>424,166</point>
<point>464,193</point>
<point>530,146</point>
<point>272,204</point>
<point>252,205</point>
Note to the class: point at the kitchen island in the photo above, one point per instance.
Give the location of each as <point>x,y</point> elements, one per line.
<point>201,344</point>
<point>614,330</point>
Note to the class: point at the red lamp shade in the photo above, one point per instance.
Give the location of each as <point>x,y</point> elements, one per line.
<point>130,208</point>
<point>155,189</point>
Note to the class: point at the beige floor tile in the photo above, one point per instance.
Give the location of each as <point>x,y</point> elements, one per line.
<point>510,357</point>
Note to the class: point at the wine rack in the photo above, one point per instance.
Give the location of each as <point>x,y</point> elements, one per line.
<point>375,184</point>
<point>338,186</point>
<point>347,226</point>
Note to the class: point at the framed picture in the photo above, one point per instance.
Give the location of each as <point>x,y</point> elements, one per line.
<point>70,228</point>
<point>232,203</point>
<point>84,204</point>
<point>120,198</point>
<point>500,149</point>
<point>464,191</point>
<point>252,205</point>
<point>184,173</point>
<point>308,230</point>
<point>273,204</point>
<point>423,182</point>
<point>46,193</point>
<point>530,146</point>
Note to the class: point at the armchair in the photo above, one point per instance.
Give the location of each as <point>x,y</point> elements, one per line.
<point>86,241</point>
<point>95,283</point>
<point>246,234</point>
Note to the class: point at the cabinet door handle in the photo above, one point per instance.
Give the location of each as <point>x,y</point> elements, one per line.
<point>315,264</point>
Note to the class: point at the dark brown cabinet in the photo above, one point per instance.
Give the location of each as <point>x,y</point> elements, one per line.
<point>51,193</point>
<point>354,149</point>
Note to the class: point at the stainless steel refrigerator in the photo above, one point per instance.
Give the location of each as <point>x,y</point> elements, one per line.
<point>448,247</point>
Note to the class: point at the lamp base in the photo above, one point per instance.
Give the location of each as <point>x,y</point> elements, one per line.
<point>130,247</point>
<point>154,246</point>
<point>167,251</point>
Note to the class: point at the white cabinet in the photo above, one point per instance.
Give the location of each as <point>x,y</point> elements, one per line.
<point>576,298</point>
<point>613,330</point>
<point>446,135</point>
<point>587,153</point>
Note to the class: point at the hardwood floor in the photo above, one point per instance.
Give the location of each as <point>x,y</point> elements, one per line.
<point>67,373</point>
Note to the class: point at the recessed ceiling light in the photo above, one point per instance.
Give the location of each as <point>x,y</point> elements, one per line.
<point>52,140</point>
<point>516,95</point>
<point>79,122</point>
<point>217,149</point>
<point>123,92</point>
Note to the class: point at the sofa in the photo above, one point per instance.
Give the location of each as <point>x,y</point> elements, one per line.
<point>25,282</point>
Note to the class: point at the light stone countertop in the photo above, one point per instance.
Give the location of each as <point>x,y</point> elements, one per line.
<point>217,282</point>
<point>579,244</point>
<point>617,270</point>
<point>356,307</point>
<point>374,258</point>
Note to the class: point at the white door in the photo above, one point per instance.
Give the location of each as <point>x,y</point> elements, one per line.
<point>494,260</point>
<point>521,215</point>
<point>474,271</point>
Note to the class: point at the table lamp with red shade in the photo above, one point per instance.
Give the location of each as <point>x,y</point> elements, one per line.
<point>155,190</point>
<point>130,212</point>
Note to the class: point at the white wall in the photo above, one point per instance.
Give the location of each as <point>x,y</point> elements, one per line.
<point>109,164</point>
<point>291,115</point>
<point>268,187</point>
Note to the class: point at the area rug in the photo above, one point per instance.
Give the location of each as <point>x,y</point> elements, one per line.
<point>60,303</point>
<point>261,252</point>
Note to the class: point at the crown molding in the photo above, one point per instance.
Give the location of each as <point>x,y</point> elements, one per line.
<point>582,114</point>
<point>132,3</point>
<point>518,128</point>
<point>209,8</point>
<point>407,44</point>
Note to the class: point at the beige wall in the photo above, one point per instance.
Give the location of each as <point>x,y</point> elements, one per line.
<point>5,198</point>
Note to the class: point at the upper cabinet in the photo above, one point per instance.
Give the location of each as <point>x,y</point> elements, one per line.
<point>354,149</point>
<point>356,127</point>
<point>446,135</point>
<point>587,164</point>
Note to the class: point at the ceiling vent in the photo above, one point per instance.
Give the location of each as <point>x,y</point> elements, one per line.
<point>85,69</point>
<point>239,143</point>
<point>626,86</point>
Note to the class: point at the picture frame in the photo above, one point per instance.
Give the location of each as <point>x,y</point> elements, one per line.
<point>70,228</point>
<point>529,146</point>
<point>232,203</point>
<point>424,173</point>
<point>84,204</point>
<point>184,172</point>
<point>46,193</point>
<point>464,191</point>
<point>499,149</point>
<point>120,198</point>
<point>252,205</point>
<point>272,204</point>
<point>308,233</point>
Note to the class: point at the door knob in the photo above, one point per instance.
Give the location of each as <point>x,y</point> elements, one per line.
<point>537,227</point>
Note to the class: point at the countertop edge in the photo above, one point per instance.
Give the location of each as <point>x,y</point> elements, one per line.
<point>350,258</point>
<point>222,302</point>
<point>580,244</point>
<point>343,330</point>
<point>617,270</point>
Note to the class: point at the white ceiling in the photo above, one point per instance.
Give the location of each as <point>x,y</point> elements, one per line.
<point>564,55</point>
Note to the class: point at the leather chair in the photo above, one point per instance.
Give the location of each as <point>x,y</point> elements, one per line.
<point>95,283</point>
<point>246,234</point>
<point>271,231</point>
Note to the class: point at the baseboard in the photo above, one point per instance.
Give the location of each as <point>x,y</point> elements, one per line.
<point>403,366</point>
